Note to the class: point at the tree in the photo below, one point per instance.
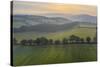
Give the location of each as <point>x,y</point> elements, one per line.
<point>57,42</point>
<point>23,42</point>
<point>37,41</point>
<point>65,41</point>
<point>30,42</point>
<point>74,39</point>
<point>50,41</point>
<point>77,40</point>
<point>81,40</point>
<point>44,41</point>
<point>41,41</point>
<point>71,38</point>
<point>88,39</point>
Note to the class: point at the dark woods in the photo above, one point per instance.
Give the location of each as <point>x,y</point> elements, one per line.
<point>44,41</point>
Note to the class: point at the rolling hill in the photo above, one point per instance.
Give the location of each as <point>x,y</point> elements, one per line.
<point>45,28</point>
<point>31,27</point>
<point>48,28</point>
<point>84,18</point>
<point>28,20</point>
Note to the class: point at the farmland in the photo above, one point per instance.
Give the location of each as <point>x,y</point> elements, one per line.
<point>28,55</point>
<point>48,54</point>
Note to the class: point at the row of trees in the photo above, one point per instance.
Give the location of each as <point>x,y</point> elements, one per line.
<point>44,41</point>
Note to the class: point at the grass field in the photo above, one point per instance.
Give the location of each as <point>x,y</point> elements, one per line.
<point>28,55</point>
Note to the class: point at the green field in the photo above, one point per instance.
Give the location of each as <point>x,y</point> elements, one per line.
<point>81,32</point>
<point>48,54</point>
<point>28,55</point>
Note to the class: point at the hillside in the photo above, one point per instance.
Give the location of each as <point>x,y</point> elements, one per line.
<point>28,20</point>
<point>81,32</point>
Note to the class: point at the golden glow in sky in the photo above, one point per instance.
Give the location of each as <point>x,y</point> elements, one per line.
<point>35,8</point>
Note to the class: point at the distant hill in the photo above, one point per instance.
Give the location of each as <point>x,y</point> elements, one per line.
<point>28,20</point>
<point>84,18</point>
<point>52,27</point>
<point>79,17</point>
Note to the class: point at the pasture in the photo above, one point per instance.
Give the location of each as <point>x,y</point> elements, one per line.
<point>48,54</point>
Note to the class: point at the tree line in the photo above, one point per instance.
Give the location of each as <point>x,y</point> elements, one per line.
<point>73,39</point>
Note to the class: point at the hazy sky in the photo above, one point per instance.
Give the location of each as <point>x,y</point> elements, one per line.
<point>35,8</point>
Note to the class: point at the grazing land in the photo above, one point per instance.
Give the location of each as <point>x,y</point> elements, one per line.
<point>48,54</point>
<point>28,55</point>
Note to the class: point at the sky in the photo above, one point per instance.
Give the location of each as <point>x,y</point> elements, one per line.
<point>40,8</point>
